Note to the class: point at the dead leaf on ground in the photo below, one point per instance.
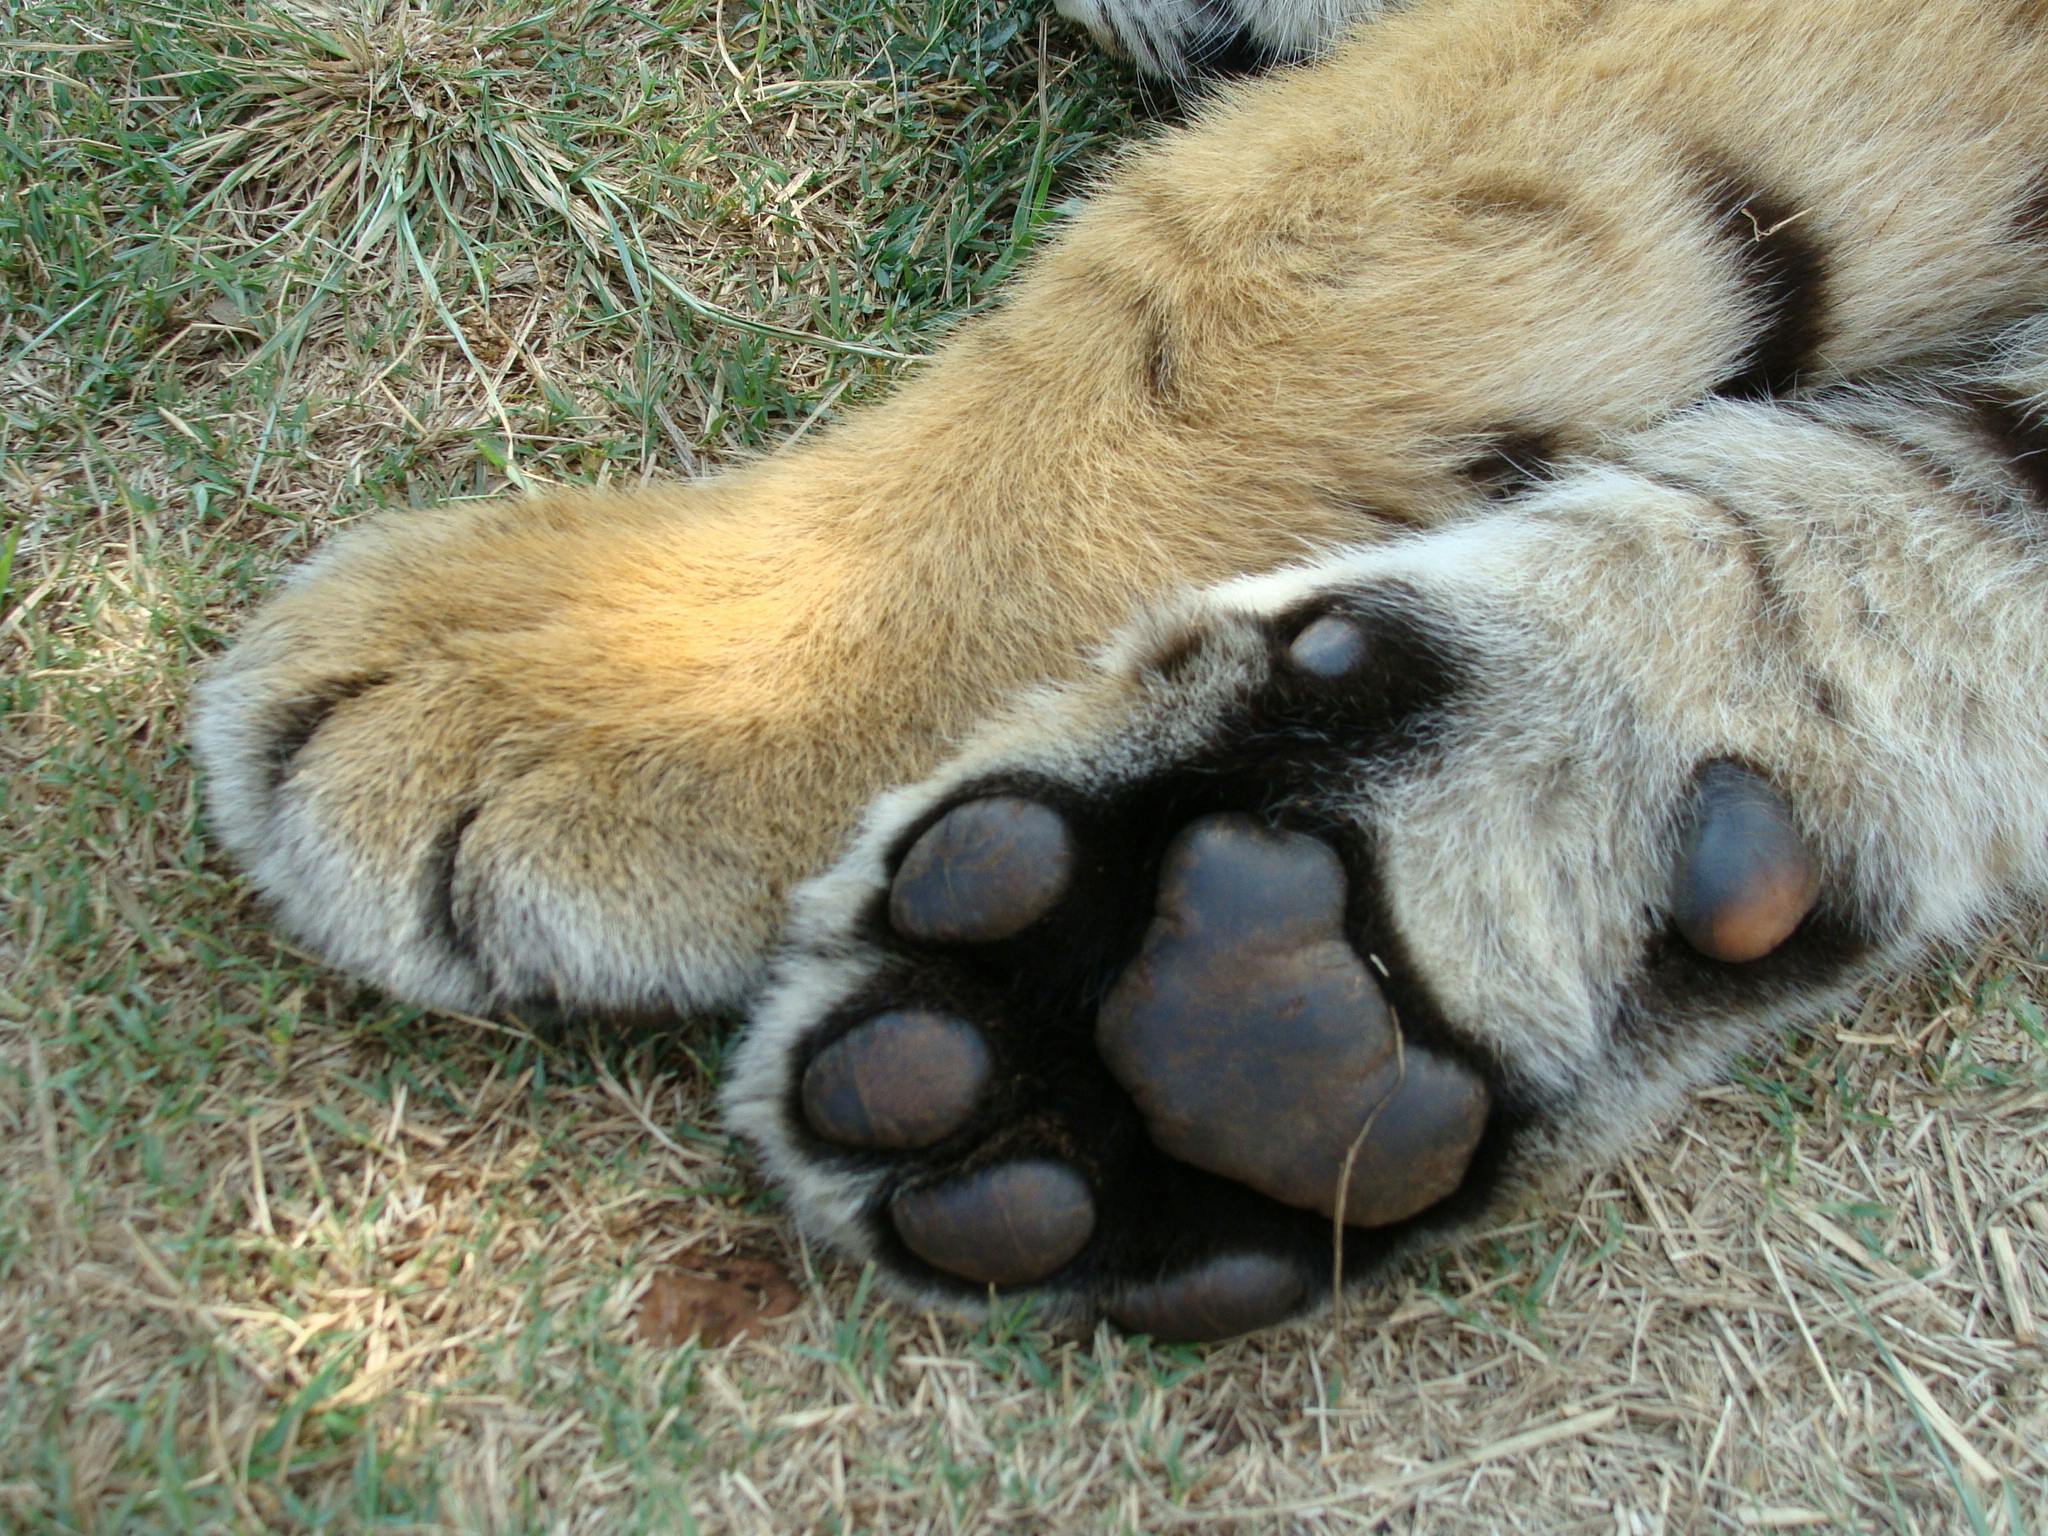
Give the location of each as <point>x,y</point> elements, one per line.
<point>714,1300</point>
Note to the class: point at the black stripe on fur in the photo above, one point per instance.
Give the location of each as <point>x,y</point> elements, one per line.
<point>1783,272</point>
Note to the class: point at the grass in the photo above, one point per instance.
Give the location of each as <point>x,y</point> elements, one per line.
<point>277,1255</point>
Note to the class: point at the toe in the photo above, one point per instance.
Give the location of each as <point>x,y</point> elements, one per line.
<point>1012,1224</point>
<point>903,1079</point>
<point>985,870</point>
<point>1218,1298</point>
<point>1745,878</point>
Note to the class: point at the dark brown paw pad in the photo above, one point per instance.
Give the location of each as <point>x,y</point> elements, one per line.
<point>1745,879</point>
<point>1256,1044</point>
<point>1012,1224</point>
<point>1217,1299</point>
<point>903,1079</point>
<point>986,870</point>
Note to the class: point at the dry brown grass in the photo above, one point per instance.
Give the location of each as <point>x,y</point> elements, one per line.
<point>276,1255</point>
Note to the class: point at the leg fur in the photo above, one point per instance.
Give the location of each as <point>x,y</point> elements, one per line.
<point>1842,596</point>
<point>579,750</point>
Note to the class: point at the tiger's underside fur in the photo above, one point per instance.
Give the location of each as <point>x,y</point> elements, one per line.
<point>1665,373</point>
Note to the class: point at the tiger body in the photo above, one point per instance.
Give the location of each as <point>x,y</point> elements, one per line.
<point>1690,337</point>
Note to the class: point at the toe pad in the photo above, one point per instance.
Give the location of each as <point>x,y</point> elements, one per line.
<point>985,870</point>
<point>903,1079</point>
<point>1745,878</point>
<point>1217,1299</point>
<point>1012,1224</point>
<point>1329,648</point>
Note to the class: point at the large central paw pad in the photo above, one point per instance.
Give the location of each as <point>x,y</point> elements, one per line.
<point>1257,1045</point>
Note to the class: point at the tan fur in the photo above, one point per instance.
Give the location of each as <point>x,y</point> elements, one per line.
<point>1283,330</point>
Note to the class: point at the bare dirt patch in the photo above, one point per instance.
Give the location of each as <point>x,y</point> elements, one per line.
<point>712,1301</point>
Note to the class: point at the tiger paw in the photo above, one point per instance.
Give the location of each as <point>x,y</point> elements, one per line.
<point>1327,911</point>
